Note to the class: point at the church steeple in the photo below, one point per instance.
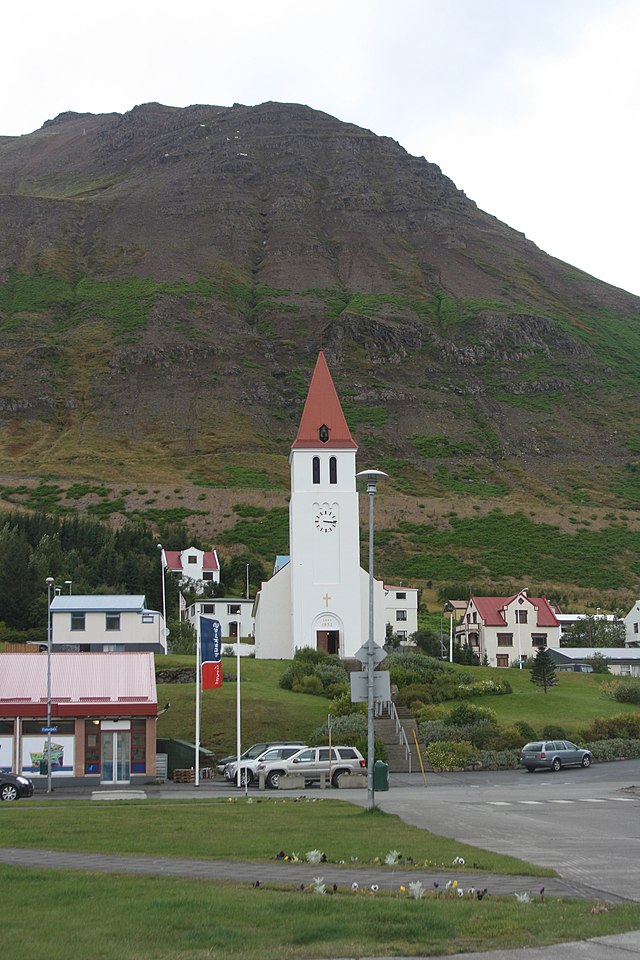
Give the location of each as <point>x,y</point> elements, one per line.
<point>323,424</point>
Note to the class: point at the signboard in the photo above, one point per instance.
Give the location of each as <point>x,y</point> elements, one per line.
<point>48,729</point>
<point>360,688</point>
<point>363,654</point>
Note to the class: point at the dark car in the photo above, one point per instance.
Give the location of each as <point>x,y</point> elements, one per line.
<point>13,786</point>
<point>553,755</point>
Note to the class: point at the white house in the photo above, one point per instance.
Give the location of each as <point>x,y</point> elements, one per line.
<point>506,629</point>
<point>632,626</point>
<point>401,609</point>
<point>196,568</point>
<point>106,624</point>
<point>319,598</point>
<point>234,614</point>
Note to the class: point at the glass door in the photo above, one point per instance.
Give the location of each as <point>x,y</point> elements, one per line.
<point>116,750</point>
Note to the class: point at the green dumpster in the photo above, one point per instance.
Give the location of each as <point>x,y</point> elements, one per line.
<point>380,775</point>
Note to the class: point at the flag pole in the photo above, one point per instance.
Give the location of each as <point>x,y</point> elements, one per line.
<point>198,672</point>
<point>238,774</point>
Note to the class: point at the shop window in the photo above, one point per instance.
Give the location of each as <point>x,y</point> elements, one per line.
<point>138,746</point>
<point>77,621</point>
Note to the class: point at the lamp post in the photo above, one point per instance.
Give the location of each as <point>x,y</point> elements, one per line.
<point>163,565</point>
<point>68,583</point>
<point>371,476</point>
<point>49,582</point>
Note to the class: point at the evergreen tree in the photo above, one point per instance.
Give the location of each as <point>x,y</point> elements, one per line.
<point>543,672</point>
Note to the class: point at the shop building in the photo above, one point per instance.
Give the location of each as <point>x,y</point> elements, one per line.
<point>104,709</point>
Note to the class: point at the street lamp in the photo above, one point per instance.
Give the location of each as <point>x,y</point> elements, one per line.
<point>371,476</point>
<point>68,583</point>
<point>163,566</point>
<point>49,582</point>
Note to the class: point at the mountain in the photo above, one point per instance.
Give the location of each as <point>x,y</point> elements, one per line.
<point>167,277</point>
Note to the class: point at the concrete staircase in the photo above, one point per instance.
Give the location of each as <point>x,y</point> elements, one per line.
<point>388,730</point>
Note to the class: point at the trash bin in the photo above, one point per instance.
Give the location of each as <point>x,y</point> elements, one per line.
<point>380,775</point>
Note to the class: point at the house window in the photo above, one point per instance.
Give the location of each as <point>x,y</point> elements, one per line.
<point>77,621</point>
<point>206,608</point>
<point>635,628</point>
<point>505,640</point>
<point>401,596</point>
<point>538,639</point>
<point>112,621</point>
<point>333,470</point>
<point>475,617</point>
<point>401,614</point>
<point>192,559</point>
<point>521,616</point>
<point>207,575</point>
<point>316,469</point>
<point>233,609</point>
<point>147,618</point>
<point>502,660</point>
<point>402,634</point>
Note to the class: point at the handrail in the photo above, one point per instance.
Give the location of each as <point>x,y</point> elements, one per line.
<point>402,736</point>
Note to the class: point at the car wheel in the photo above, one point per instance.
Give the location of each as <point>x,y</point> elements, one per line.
<point>336,776</point>
<point>555,766</point>
<point>246,778</point>
<point>9,792</point>
<point>586,761</point>
<point>273,779</point>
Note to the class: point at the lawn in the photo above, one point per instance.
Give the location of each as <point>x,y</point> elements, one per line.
<point>64,915</point>
<point>572,704</point>
<point>238,829</point>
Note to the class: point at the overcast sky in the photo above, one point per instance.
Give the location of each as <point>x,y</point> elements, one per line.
<point>530,106</point>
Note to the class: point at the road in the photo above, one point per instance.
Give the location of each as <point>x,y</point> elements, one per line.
<point>583,823</point>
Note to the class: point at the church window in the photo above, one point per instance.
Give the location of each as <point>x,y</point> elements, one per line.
<point>316,469</point>
<point>323,433</point>
<point>333,470</point>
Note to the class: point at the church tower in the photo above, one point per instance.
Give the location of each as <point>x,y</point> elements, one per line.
<point>324,534</point>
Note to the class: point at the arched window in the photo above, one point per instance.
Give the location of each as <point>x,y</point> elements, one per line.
<point>333,470</point>
<point>316,469</point>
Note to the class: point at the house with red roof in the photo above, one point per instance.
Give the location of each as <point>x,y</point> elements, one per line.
<point>505,630</point>
<point>196,568</point>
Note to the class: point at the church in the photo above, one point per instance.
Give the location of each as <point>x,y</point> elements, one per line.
<point>318,596</point>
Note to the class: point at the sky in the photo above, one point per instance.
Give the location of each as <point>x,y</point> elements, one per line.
<point>532,107</point>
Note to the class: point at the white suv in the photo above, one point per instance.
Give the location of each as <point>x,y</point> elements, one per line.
<point>248,768</point>
<point>312,763</point>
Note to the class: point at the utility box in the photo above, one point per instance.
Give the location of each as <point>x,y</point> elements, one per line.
<point>380,775</point>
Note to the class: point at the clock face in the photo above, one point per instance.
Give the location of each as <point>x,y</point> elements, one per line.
<point>326,520</point>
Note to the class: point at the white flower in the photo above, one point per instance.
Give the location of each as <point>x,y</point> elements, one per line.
<point>313,856</point>
<point>375,887</point>
<point>392,858</point>
<point>354,885</point>
<point>318,885</point>
<point>459,861</point>
<point>523,897</point>
<point>448,884</point>
<point>416,890</point>
<point>460,892</point>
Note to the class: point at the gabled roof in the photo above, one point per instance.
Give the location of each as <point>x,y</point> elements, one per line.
<point>174,559</point>
<point>491,610</point>
<point>322,408</point>
<point>98,603</point>
<point>82,684</point>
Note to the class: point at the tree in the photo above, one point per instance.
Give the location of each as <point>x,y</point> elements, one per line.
<point>593,631</point>
<point>544,670</point>
<point>428,642</point>
<point>599,664</point>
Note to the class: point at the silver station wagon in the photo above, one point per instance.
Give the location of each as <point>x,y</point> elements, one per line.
<point>553,755</point>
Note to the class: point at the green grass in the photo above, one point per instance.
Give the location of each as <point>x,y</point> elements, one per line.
<point>244,830</point>
<point>64,915</point>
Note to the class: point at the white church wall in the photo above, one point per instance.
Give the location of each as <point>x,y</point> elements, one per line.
<point>273,618</point>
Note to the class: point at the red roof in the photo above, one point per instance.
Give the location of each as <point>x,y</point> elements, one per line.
<point>209,560</point>
<point>82,685</point>
<point>490,610</point>
<point>322,408</point>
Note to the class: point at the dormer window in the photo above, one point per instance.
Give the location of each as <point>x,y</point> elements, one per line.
<point>323,433</point>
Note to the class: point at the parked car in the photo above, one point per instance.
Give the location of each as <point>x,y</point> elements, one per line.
<point>313,762</point>
<point>13,786</point>
<point>249,768</point>
<point>553,755</point>
<point>256,750</point>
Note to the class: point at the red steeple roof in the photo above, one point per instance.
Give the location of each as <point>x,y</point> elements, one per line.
<point>322,409</point>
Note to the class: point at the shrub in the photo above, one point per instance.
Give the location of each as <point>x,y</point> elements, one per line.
<point>469,713</point>
<point>482,734</point>
<point>525,730</point>
<point>553,731</point>
<point>615,749</point>
<point>623,725</point>
<point>309,684</point>
<point>446,755</point>
<point>342,706</point>
<point>498,759</point>
<point>627,692</point>
<point>331,672</point>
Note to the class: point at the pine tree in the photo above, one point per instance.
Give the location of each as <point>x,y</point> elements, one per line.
<point>543,672</point>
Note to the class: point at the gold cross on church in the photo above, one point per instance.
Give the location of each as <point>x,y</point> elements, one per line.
<point>326,599</point>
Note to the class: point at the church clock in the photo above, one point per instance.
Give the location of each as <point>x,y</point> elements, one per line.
<point>326,520</point>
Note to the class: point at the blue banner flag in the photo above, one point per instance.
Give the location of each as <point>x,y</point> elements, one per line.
<point>210,653</point>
